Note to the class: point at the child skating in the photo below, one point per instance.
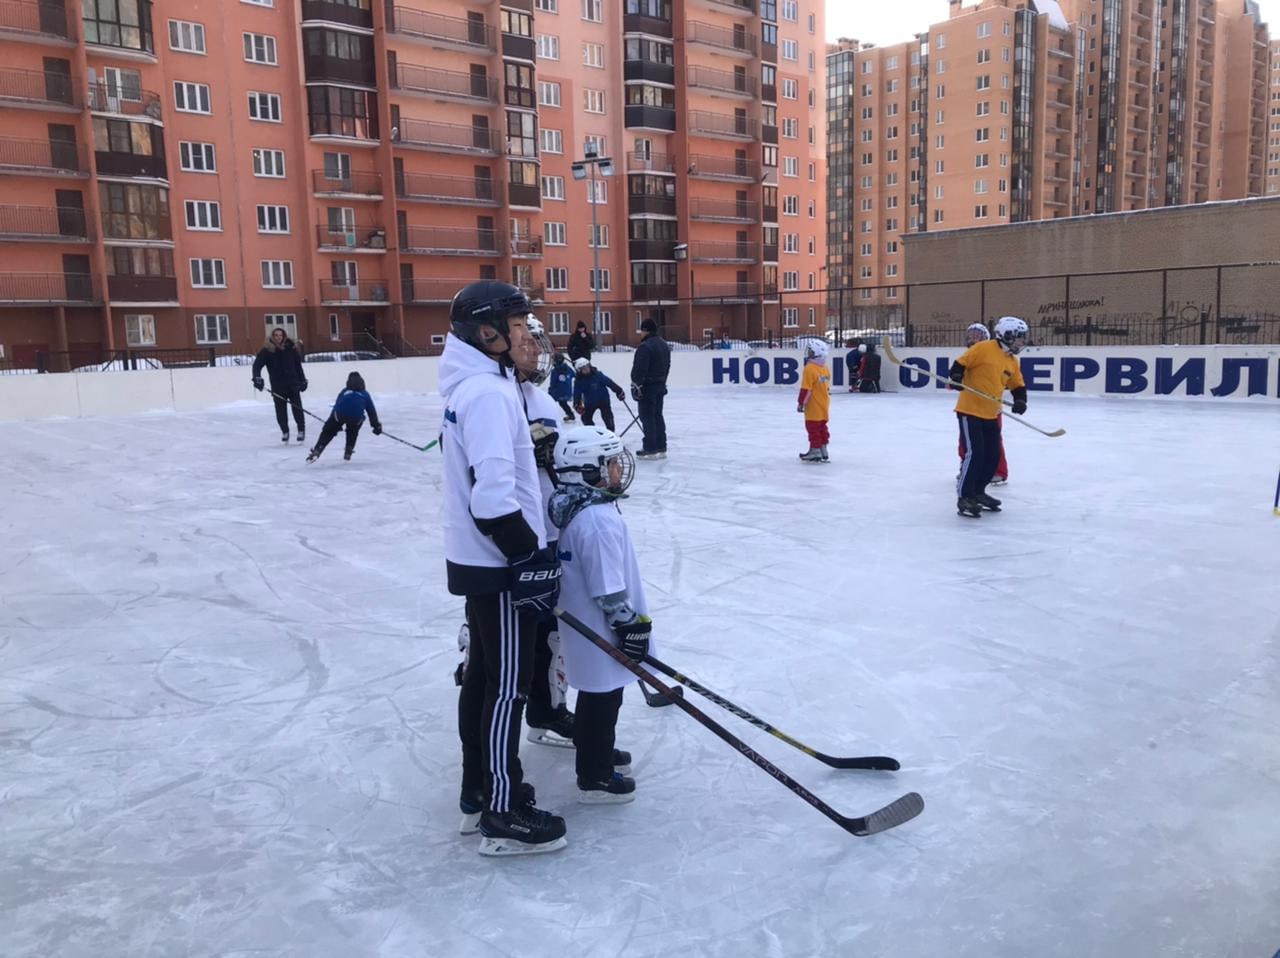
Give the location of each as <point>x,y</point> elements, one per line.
<point>561,387</point>
<point>815,400</point>
<point>348,412</point>
<point>977,333</point>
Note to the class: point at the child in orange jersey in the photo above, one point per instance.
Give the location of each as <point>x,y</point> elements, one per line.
<point>815,400</point>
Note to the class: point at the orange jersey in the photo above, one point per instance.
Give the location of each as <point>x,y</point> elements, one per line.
<point>816,384</point>
<point>988,368</point>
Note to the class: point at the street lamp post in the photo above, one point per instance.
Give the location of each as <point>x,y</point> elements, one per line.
<point>584,169</point>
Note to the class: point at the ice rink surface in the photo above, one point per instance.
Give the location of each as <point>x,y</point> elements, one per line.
<point>227,715</point>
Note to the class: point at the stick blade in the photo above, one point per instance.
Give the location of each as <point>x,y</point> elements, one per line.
<point>878,763</point>
<point>1056,433</point>
<point>891,816</point>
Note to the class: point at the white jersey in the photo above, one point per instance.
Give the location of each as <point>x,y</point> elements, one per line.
<point>540,407</point>
<point>597,558</point>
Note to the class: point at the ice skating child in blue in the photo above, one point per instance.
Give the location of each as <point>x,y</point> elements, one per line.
<point>561,386</point>
<point>348,411</point>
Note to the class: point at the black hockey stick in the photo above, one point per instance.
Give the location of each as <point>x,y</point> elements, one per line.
<point>635,421</point>
<point>300,406</point>
<point>656,699</point>
<point>881,763</point>
<point>406,442</point>
<point>895,813</point>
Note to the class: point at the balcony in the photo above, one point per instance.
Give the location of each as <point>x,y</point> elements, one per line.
<point>446,85</point>
<point>518,48</point>
<point>722,83</point>
<point>142,289</point>
<point>27,22</point>
<point>652,249</point>
<point>38,90</point>
<point>643,203</point>
<point>16,288</point>
<point>346,127</point>
<point>524,195</point>
<point>653,163</point>
<point>660,118</point>
<point>43,158</point>
<point>447,137</point>
<point>357,184</point>
<point>526,247</point>
<point>327,69</point>
<point>649,70</point>
<point>722,126</point>
<point>363,238</point>
<point>726,292</point>
<point>437,290</point>
<point>711,252</point>
<point>451,241</point>
<point>654,26</point>
<point>131,164</point>
<point>738,169</point>
<point>441,32</point>
<point>345,14</point>
<point>116,101</point>
<point>745,8</point>
<point>42,224</point>
<point>653,292</point>
<point>770,252</point>
<point>721,211</point>
<point>447,190</point>
<point>735,42</point>
<point>371,292</point>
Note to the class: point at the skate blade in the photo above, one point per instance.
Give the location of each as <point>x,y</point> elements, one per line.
<point>622,769</point>
<point>510,847</point>
<point>592,797</point>
<point>544,736</point>
<point>470,823</point>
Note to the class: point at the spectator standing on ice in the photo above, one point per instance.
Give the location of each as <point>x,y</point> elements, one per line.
<point>650,368</point>
<point>283,362</point>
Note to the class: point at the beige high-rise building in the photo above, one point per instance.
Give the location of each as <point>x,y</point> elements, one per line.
<point>1016,110</point>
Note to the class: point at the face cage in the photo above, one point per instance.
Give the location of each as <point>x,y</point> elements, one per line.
<point>1014,342</point>
<point>592,475</point>
<point>539,373</point>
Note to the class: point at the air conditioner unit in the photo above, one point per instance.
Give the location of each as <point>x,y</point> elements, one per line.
<point>377,240</point>
<point>152,109</point>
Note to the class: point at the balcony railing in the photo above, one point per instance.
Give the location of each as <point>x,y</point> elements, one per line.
<point>365,291</point>
<point>36,157</point>
<point>104,98</point>
<point>322,68</point>
<point>722,82</point>
<point>460,190</point>
<point>451,241</point>
<point>525,195</point>
<point>363,236</point>
<point>652,249</point>
<point>744,7</point>
<point>712,252</point>
<point>38,86</point>
<point>640,117</point>
<point>526,246</point>
<point>649,70</point>
<point>736,42</point>
<point>702,208</point>
<point>143,289</point>
<point>438,30</point>
<point>710,167</point>
<point>37,20</point>
<point>324,123</point>
<point>337,13</point>
<point>654,26</point>
<point>715,292</point>
<point>649,292</point>
<point>355,183</point>
<point>723,125</point>
<point>653,163</point>
<point>131,164</point>
<point>47,288</point>
<point>445,84</point>
<point>436,290</point>
<point>34,223</point>
<point>448,137</point>
<point>662,205</point>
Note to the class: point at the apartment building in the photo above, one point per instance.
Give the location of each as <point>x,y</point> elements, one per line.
<point>1273,123</point>
<point>1018,110</point>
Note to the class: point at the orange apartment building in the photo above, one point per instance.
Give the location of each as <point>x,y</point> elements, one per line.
<point>193,174</point>
<point>1273,123</point>
<point>1016,110</point>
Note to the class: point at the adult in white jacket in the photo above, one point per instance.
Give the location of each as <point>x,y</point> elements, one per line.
<point>496,556</point>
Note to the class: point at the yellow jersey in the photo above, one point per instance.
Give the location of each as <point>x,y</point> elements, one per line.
<point>816,382</point>
<point>988,368</point>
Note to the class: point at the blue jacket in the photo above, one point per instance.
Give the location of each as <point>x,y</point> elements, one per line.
<point>593,390</point>
<point>561,382</point>
<point>354,403</point>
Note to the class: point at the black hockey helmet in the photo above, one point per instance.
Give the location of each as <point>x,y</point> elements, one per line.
<point>487,302</point>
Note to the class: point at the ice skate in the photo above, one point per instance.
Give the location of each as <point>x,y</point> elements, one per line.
<point>346,454</point>
<point>472,803</point>
<point>990,503</point>
<point>556,730</point>
<point>621,761</point>
<point>813,455</point>
<point>524,830</point>
<point>999,480</point>
<point>969,507</point>
<point>284,436</point>
<point>313,455</point>
<point>302,436</point>
<point>617,789</point>
<point>825,456</point>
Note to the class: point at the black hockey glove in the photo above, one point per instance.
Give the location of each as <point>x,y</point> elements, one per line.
<point>957,376</point>
<point>544,444</point>
<point>302,387</point>
<point>633,637</point>
<point>1019,401</point>
<point>258,383</point>
<point>617,391</point>
<point>635,392</point>
<point>535,582</point>
<point>377,429</point>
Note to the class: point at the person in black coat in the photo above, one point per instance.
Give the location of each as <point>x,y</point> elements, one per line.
<point>649,370</point>
<point>580,344</point>
<point>869,370</point>
<point>283,363</point>
<point>853,363</point>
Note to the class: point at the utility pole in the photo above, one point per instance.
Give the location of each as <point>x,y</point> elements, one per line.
<point>582,170</point>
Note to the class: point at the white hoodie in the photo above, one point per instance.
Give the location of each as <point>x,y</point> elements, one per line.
<point>489,469</point>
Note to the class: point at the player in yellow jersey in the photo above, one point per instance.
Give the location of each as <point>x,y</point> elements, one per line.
<point>815,400</point>
<point>989,367</point>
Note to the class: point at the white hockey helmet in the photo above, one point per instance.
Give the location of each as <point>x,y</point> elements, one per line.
<point>535,364</point>
<point>593,456</point>
<point>816,349</point>
<point>1011,333</point>
<point>976,333</point>
<point>581,363</point>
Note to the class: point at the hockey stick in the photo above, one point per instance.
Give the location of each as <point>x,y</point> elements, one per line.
<point>406,442</point>
<point>895,813</point>
<point>1276,508</point>
<point>302,407</point>
<point>656,699</point>
<point>874,762</point>
<point>888,351</point>
<point>635,420</point>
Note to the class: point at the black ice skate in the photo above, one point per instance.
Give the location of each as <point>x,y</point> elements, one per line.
<point>302,436</point>
<point>617,789</point>
<point>621,761</point>
<point>969,507</point>
<point>555,730</point>
<point>346,454</point>
<point>525,830</point>
<point>990,503</point>
<point>472,803</point>
<point>312,456</point>
<point>284,436</point>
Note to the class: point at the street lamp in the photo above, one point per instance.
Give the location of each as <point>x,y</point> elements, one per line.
<point>582,169</point>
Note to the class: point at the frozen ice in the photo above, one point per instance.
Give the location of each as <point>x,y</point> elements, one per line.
<point>227,716</point>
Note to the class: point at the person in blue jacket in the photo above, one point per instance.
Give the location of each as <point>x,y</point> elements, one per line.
<point>348,410</point>
<point>561,387</point>
<point>591,390</point>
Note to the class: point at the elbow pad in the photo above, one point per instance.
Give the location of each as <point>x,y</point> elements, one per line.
<point>510,533</point>
<point>957,373</point>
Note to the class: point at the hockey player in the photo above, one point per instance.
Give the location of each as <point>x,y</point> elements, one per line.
<point>976,333</point>
<point>869,369</point>
<point>853,362</point>
<point>496,556</point>
<point>602,587</point>
<point>561,387</point>
<point>989,366</point>
<point>348,412</point>
<point>591,391</point>
<point>815,400</point>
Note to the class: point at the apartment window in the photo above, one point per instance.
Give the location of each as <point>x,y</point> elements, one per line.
<point>937,216</point>
<point>939,167</point>
<point>770,155</point>
<point>559,321</point>
<point>984,107</point>
<point>790,166</point>
<point>791,205</point>
<point>548,47</point>
<point>867,159</point>
<point>891,224</point>
<point>938,192</point>
<point>268,163</point>
<point>208,272</point>
<point>980,211</point>
<point>1003,186</point>
<point>891,86</point>
<point>197,157</point>
<point>891,63</point>
<point>603,278</point>
<point>891,247</point>
<point>547,6</point>
<point>203,215</point>
<point>790,317</point>
<point>982,134</point>
<point>791,242</point>
<point>591,10</point>
<point>867,67</point>
<point>260,3</point>
<point>595,143</point>
<point>552,141</point>
<point>864,272</point>
<point>790,50</point>
<point>790,280</point>
<point>867,89</point>
<point>191,97</point>
<point>866,204</point>
<point>865,226</point>
<point>273,219</point>
<point>891,156</point>
<point>891,270</point>
<point>790,10</point>
<point>984,30</point>
<point>598,192</point>
<point>213,328</point>
<point>553,187</point>
<point>980,186</point>
<point>867,136</point>
<point>140,329</point>
<point>186,36</point>
<point>864,249</point>
<point>891,133</point>
<point>593,55</point>
<point>984,55</point>
<point>593,101</point>
<point>891,202</point>
<point>553,234</point>
<point>982,160</point>
<point>790,128</point>
<point>941,42</point>
<point>598,235</point>
<point>548,93</point>
<point>940,67</point>
<point>118,23</point>
<point>277,274</point>
<point>134,211</point>
<point>557,278</point>
<point>940,93</point>
<point>260,48</point>
<point>264,106</point>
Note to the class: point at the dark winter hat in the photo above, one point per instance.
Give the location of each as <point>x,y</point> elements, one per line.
<point>581,325</point>
<point>355,381</point>
<point>649,326</point>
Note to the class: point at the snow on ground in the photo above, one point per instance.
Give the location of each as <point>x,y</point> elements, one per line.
<point>227,718</point>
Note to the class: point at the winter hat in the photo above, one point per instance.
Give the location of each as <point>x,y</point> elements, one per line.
<point>581,363</point>
<point>582,325</point>
<point>355,381</point>
<point>649,326</point>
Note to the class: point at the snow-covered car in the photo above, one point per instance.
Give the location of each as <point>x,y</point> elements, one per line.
<point>350,356</point>
<point>118,365</point>
<point>241,360</point>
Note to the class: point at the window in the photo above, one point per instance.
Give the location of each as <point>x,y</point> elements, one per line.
<point>553,187</point>
<point>891,246</point>
<point>790,50</point>
<point>980,186</point>
<point>595,143</point>
<point>984,81</point>
<point>891,63</point>
<point>548,93</point>
<point>984,29</point>
<point>982,134</point>
<point>548,47</point>
<point>547,6</point>
<point>984,55</point>
<point>557,278</point>
<point>941,42</point>
<point>790,166</point>
<point>264,106</point>
<point>134,211</point>
<point>790,128</point>
<point>552,141</point>
<point>268,163</point>
<point>208,272</point>
<point>598,236</point>
<point>273,219</point>
<point>593,101</point>
<point>186,36</point>
<point>335,328</point>
<point>260,48</point>
<point>891,86</point>
<point>593,55</point>
<point>790,317</point>
<point>591,10</point>
<point>864,249</point>
<point>277,274</point>
<point>790,279</point>
<point>140,329</point>
<point>604,280</point>
<point>984,107</point>
<point>559,322</point>
<point>598,192</point>
<point>286,321</point>
<point>864,272</point>
<point>197,157</point>
<point>791,242</point>
<point>118,23</point>
<point>769,156</point>
<point>980,211</point>
<point>213,328</point>
<point>260,3</point>
<point>981,160</point>
<point>203,215</point>
<point>790,10</point>
<point>891,270</point>
<point>191,97</point>
<point>791,205</point>
<point>553,234</point>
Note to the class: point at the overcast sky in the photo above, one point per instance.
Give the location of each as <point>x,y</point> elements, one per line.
<point>882,23</point>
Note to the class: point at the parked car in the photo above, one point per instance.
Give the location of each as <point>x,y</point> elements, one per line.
<point>119,365</point>
<point>349,356</point>
<point>241,360</point>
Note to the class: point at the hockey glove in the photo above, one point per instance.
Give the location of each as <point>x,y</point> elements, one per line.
<point>377,429</point>
<point>957,376</point>
<point>1019,401</point>
<point>302,386</point>
<point>635,392</point>
<point>633,637</point>
<point>258,383</point>
<point>535,582</point>
<point>544,444</point>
